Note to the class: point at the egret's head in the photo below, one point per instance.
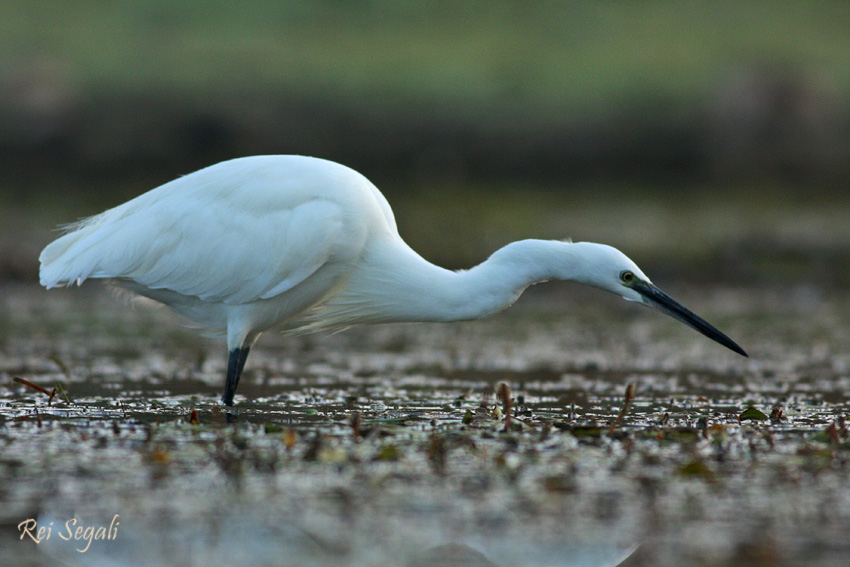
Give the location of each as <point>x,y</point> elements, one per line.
<point>609,269</point>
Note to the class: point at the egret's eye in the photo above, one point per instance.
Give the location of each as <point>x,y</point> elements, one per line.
<point>627,276</point>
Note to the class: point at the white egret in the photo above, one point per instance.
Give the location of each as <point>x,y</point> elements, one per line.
<point>304,244</point>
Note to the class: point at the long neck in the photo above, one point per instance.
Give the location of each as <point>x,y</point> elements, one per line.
<point>405,287</point>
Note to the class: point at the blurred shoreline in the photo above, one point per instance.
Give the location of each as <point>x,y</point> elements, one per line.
<point>708,144</point>
<point>758,236</point>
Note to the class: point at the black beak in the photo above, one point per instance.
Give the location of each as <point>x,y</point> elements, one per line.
<point>666,304</point>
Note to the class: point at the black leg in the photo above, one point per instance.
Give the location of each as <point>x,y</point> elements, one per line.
<point>235,364</point>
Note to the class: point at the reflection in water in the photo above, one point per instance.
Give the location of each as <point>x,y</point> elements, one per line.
<point>400,541</point>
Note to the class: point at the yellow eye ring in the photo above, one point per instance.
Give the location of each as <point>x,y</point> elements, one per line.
<point>627,276</point>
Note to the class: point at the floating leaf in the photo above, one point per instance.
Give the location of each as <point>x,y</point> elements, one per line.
<point>752,413</point>
<point>388,453</point>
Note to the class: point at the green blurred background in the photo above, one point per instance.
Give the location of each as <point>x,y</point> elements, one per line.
<point>708,140</point>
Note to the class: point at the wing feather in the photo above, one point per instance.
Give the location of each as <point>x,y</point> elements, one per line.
<point>224,238</point>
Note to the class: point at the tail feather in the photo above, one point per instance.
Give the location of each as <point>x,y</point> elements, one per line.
<point>62,262</point>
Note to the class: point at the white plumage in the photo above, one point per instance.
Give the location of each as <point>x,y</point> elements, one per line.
<point>305,244</point>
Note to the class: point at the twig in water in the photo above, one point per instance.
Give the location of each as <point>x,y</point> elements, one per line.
<point>630,395</point>
<point>42,389</point>
<point>503,392</point>
<point>63,392</point>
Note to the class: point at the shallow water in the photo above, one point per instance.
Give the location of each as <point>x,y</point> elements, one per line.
<point>387,445</point>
